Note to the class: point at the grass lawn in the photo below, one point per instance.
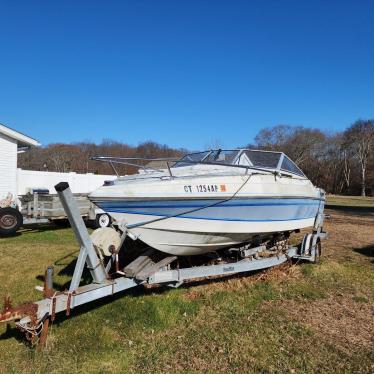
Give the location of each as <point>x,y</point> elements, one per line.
<point>350,201</point>
<point>299,318</point>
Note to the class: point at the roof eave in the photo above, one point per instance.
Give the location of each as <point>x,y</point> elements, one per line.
<point>22,140</point>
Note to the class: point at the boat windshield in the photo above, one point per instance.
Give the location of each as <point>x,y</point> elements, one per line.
<point>245,157</point>
<point>261,159</point>
<point>224,157</point>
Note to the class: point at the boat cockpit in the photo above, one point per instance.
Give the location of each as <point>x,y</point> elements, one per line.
<point>250,158</point>
<point>265,161</point>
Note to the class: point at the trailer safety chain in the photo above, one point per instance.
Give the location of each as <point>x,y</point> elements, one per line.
<point>34,331</point>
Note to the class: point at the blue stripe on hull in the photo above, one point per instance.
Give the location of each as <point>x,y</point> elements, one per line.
<point>251,210</point>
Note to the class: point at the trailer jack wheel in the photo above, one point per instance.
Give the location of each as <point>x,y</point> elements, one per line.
<point>102,220</point>
<point>10,221</point>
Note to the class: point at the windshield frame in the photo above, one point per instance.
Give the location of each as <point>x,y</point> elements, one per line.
<point>233,163</point>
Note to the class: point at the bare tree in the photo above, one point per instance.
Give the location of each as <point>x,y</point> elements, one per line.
<point>76,157</point>
<point>274,138</point>
<point>305,146</point>
<point>360,136</point>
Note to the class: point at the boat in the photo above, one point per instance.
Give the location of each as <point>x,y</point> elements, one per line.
<point>210,200</point>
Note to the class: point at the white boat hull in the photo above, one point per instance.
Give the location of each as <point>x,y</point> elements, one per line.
<point>182,237</point>
<point>194,215</point>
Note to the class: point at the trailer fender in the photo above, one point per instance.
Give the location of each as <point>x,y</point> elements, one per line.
<point>311,247</point>
<point>306,245</point>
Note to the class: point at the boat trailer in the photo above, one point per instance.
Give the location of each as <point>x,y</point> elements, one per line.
<point>33,318</point>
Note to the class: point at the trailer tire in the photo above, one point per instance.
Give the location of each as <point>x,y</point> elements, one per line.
<point>102,220</point>
<point>10,221</point>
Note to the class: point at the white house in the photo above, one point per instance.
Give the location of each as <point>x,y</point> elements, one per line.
<point>20,182</point>
<point>11,142</point>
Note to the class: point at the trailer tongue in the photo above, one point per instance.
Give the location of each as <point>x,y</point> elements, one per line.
<point>151,267</point>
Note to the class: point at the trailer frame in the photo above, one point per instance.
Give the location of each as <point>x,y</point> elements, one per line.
<point>33,318</point>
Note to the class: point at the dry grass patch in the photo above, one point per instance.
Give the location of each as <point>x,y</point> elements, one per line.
<point>278,274</point>
<point>339,319</point>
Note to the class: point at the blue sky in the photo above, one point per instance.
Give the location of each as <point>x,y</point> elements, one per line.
<point>183,73</point>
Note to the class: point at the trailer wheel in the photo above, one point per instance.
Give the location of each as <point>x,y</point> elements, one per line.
<point>102,220</point>
<point>10,221</point>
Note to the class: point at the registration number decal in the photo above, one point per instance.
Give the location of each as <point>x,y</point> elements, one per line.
<point>204,188</point>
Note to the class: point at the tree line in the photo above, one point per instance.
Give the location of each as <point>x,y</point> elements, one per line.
<point>341,163</point>
<point>76,157</point>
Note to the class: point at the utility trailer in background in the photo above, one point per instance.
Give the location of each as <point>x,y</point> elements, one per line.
<point>16,182</point>
<point>41,207</point>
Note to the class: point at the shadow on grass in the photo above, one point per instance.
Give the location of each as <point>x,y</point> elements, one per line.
<point>68,270</point>
<point>33,229</point>
<point>40,227</point>
<point>12,235</point>
<point>12,333</point>
<point>366,251</point>
<point>60,224</point>
<point>351,209</point>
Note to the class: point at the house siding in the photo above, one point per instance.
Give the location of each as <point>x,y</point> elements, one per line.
<point>8,166</point>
